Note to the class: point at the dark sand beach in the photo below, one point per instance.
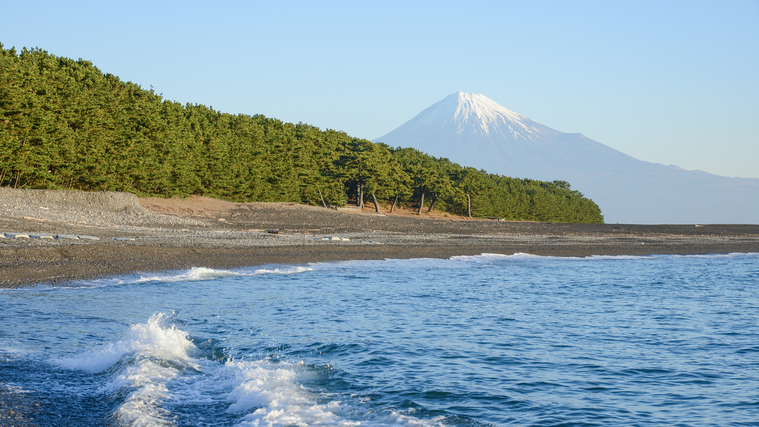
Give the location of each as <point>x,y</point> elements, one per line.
<point>145,235</point>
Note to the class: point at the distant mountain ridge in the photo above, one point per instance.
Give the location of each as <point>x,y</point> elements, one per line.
<point>473,130</point>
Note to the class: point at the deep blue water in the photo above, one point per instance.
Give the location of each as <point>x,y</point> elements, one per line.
<point>488,340</point>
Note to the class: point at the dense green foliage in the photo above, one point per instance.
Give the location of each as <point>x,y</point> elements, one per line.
<point>66,125</point>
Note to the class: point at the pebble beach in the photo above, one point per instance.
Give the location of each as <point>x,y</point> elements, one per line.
<point>56,237</point>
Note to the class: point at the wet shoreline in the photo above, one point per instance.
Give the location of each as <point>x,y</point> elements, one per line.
<point>175,234</point>
<point>29,263</point>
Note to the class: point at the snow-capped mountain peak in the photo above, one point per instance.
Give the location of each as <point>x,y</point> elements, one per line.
<point>475,114</point>
<point>477,110</point>
<point>473,130</point>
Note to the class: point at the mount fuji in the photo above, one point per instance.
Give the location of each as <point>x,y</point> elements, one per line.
<point>473,130</point>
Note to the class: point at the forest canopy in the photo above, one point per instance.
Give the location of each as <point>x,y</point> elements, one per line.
<point>66,125</point>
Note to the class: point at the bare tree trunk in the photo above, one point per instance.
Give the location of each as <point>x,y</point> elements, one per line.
<point>376,205</point>
<point>322,197</point>
<point>432,206</point>
<point>393,205</point>
<point>421,205</point>
<point>360,201</point>
<point>468,206</point>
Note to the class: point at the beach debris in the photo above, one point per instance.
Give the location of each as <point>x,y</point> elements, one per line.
<point>17,235</point>
<point>124,239</point>
<point>66,236</point>
<point>335,239</point>
<point>55,236</point>
<point>272,231</point>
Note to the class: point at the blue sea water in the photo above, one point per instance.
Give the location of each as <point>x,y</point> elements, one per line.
<point>485,340</point>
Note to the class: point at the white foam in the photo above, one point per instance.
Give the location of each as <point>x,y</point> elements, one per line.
<point>153,363</point>
<point>404,418</point>
<point>618,257</point>
<point>728,255</point>
<point>425,263</point>
<point>491,256</point>
<point>146,384</point>
<point>145,359</point>
<point>664,256</point>
<point>151,339</point>
<point>193,274</point>
<point>283,270</point>
<point>203,273</point>
<point>522,255</point>
<point>273,394</point>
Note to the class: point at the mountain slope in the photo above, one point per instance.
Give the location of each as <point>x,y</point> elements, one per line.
<point>473,130</point>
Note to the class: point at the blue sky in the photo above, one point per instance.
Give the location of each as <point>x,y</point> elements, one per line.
<point>673,82</point>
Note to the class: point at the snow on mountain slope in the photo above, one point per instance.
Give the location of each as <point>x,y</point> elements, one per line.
<point>468,112</point>
<point>473,130</point>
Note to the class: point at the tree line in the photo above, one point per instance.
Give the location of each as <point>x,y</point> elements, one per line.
<point>66,125</point>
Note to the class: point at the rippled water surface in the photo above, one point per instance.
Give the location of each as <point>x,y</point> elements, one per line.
<point>486,340</point>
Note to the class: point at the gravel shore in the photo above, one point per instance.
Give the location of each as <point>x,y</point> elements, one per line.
<point>140,235</point>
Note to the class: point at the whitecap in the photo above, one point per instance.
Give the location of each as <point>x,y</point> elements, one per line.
<point>143,360</point>
<point>283,270</point>
<point>145,383</point>
<point>193,274</point>
<point>492,256</point>
<point>273,394</point>
<point>151,339</point>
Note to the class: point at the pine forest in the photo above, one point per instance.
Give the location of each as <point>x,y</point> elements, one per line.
<point>66,125</point>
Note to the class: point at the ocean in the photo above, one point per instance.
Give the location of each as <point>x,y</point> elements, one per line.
<point>469,341</point>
